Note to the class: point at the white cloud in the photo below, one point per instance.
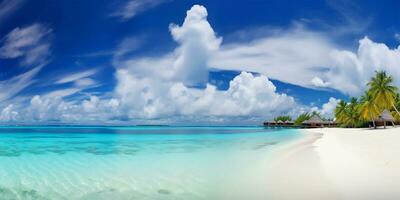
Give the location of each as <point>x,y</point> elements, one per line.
<point>62,92</point>
<point>85,83</point>
<point>143,99</point>
<point>8,114</point>
<point>160,88</point>
<point>152,88</point>
<point>309,59</point>
<point>11,87</point>
<point>48,109</point>
<point>197,42</point>
<point>30,42</point>
<point>76,76</point>
<point>135,7</point>
<point>248,95</point>
<point>189,62</point>
<point>80,81</point>
<point>351,71</point>
<point>328,108</point>
<point>318,82</point>
<point>294,56</point>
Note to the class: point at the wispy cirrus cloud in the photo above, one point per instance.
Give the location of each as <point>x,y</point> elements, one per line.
<point>31,43</point>
<point>79,80</point>
<point>11,87</point>
<point>132,8</point>
<point>355,21</point>
<point>7,7</point>
<point>76,76</point>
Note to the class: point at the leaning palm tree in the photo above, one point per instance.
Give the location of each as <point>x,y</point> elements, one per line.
<point>368,109</point>
<point>383,91</point>
<point>340,112</point>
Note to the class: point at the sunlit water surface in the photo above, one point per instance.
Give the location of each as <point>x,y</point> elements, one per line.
<point>136,162</point>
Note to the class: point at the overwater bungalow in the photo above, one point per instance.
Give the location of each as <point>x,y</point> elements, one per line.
<point>279,123</point>
<point>314,122</point>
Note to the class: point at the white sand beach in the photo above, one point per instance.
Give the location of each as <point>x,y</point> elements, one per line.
<point>338,163</point>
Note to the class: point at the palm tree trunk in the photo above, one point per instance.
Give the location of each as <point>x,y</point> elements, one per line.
<point>373,121</point>
<point>396,109</point>
<point>384,124</point>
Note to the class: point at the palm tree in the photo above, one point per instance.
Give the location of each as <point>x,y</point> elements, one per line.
<point>368,109</point>
<point>283,118</point>
<point>383,91</point>
<point>301,118</point>
<point>352,112</point>
<point>340,112</point>
<point>397,100</point>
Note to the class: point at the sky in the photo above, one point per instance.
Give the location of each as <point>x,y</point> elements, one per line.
<point>189,62</point>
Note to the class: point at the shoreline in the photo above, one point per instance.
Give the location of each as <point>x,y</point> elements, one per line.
<point>294,171</point>
<point>338,163</point>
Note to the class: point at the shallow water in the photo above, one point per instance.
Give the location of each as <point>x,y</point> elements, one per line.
<point>76,162</point>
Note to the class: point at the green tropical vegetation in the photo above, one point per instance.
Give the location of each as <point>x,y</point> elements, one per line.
<point>381,95</point>
<point>302,117</point>
<point>306,116</point>
<point>283,118</point>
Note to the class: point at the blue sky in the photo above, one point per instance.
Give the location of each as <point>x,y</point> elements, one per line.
<point>188,62</point>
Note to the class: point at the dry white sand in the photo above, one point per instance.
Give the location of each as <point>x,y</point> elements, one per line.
<point>337,163</point>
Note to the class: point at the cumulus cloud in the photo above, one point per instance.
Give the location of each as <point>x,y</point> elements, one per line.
<point>309,59</point>
<point>317,82</point>
<point>30,43</point>
<point>152,88</point>
<point>197,42</point>
<point>189,62</point>
<point>55,109</point>
<point>247,95</point>
<point>350,71</point>
<point>161,88</point>
<point>294,56</point>
<point>328,108</point>
<point>135,7</point>
<point>8,114</point>
<point>142,99</point>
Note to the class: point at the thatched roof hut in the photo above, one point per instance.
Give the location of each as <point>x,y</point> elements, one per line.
<point>384,117</point>
<point>314,120</point>
<point>289,122</point>
<point>279,123</point>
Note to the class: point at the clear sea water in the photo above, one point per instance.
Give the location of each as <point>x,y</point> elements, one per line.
<point>75,162</point>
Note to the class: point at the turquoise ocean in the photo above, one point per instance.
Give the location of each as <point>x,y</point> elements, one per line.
<point>149,162</point>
